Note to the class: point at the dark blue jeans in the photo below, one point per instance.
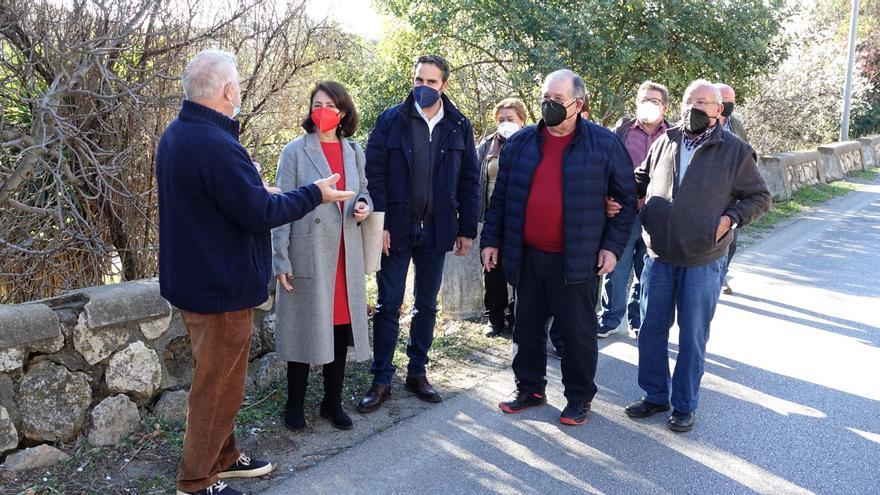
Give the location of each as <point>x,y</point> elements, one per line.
<point>541,293</point>
<point>690,294</point>
<point>614,294</point>
<point>391,279</point>
<point>730,252</point>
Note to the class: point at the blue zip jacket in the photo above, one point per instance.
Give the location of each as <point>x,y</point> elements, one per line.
<point>215,217</point>
<point>595,164</point>
<point>456,179</point>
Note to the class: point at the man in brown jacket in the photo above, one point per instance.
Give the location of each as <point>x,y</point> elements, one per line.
<point>699,183</point>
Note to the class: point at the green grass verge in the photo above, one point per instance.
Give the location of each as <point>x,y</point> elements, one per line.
<point>806,198</point>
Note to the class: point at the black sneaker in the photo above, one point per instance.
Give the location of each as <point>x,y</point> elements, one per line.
<point>245,467</point>
<point>218,488</point>
<point>522,402</point>
<point>603,332</point>
<point>575,413</point>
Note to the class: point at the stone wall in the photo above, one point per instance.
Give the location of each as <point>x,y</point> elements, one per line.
<point>92,361</point>
<point>785,173</point>
<point>870,151</point>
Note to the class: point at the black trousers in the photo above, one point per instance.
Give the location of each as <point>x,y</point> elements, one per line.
<point>540,294</point>
<point>499,307</point>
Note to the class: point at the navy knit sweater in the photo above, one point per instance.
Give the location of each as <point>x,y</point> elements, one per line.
<point>215,217</point>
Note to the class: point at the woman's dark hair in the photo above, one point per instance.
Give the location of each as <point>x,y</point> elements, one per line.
<point>342,100</point>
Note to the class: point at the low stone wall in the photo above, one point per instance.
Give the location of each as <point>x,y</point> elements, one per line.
<point>838,159</point>
<point>785,173</point>
<point>91,361</point>
<point>870,151</point>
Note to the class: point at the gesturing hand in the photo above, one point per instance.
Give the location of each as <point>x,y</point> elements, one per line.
<point>286,281</point>
<point>330,195</point>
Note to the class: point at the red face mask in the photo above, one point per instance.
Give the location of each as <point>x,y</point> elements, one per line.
<point>325,118</point>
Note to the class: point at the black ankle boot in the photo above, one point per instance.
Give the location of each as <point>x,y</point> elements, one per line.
<point>294,418</point>
<point>332,410</point>
<point>297,379</point>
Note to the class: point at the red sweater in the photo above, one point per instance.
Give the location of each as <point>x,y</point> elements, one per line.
<point>341,314</point>
<point>543,228</point>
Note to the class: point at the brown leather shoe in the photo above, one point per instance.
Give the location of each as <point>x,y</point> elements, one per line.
<point>419,385</point>
<point>374,398</point>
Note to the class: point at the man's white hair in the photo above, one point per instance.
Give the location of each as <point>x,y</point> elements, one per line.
<point>578,88</point>
<point>207,73</point>
<point>698,84</point>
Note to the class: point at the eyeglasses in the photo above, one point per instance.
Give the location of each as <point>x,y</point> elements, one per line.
<point>561,101</point>
<point>655,101</point>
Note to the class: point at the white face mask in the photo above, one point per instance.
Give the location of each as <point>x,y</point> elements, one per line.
<point>506,129</point>
<point>648,113</point>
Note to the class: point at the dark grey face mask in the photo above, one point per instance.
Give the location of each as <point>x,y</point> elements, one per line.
<point>553,112</point>
<point>695,120</point>
<point>728,108</point>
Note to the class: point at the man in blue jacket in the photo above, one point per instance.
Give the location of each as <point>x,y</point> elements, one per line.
<point>547,218</point>
<point>215,260</point>
<point>423,173</point>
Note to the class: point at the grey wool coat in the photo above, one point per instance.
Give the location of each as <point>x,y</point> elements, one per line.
<point>309,249</point>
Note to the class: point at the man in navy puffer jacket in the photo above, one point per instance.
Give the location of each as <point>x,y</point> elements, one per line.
<point>215,260</point>
<point>547,219</point>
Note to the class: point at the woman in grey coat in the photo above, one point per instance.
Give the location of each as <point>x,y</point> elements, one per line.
<point>321,302</point>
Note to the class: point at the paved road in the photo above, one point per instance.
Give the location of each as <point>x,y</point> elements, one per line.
<point>789,403</point>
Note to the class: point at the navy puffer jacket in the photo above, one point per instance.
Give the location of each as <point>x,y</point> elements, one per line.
<point>595,164</point>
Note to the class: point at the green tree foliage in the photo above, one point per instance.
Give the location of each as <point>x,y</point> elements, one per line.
<point>614,45</point>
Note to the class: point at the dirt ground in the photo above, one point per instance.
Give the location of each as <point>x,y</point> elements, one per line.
<point>146,464</point>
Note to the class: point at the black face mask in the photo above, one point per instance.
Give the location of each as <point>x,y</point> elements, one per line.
<point>728,108</point>
<point>553,112</point>
<point>695,120</point>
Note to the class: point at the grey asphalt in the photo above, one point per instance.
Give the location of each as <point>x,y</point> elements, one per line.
<point>789,402</point>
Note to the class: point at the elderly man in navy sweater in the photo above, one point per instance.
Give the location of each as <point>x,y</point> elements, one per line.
<point>547,219</point>
<point>215,260</point>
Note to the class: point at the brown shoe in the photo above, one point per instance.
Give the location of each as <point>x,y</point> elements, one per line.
<point>374,398</point>
<point>419,385</point>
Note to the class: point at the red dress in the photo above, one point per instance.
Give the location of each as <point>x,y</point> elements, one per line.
<point>341,314</point>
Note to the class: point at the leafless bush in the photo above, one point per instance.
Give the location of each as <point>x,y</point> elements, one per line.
<point>85,91</point>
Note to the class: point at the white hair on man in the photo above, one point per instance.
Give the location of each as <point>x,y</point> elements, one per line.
<point>207,74</point>
<point>578,87</point>
<point>699,84</point>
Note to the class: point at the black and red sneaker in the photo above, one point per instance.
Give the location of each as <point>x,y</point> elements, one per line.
<point>523,401</point>
<point>575,413</point>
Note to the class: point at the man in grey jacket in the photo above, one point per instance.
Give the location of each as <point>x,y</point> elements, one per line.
<point>699,183</point>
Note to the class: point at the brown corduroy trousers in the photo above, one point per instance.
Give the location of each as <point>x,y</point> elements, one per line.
<point>220,346</point>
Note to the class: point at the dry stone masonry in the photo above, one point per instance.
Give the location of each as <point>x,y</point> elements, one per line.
<point>93,363</point>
